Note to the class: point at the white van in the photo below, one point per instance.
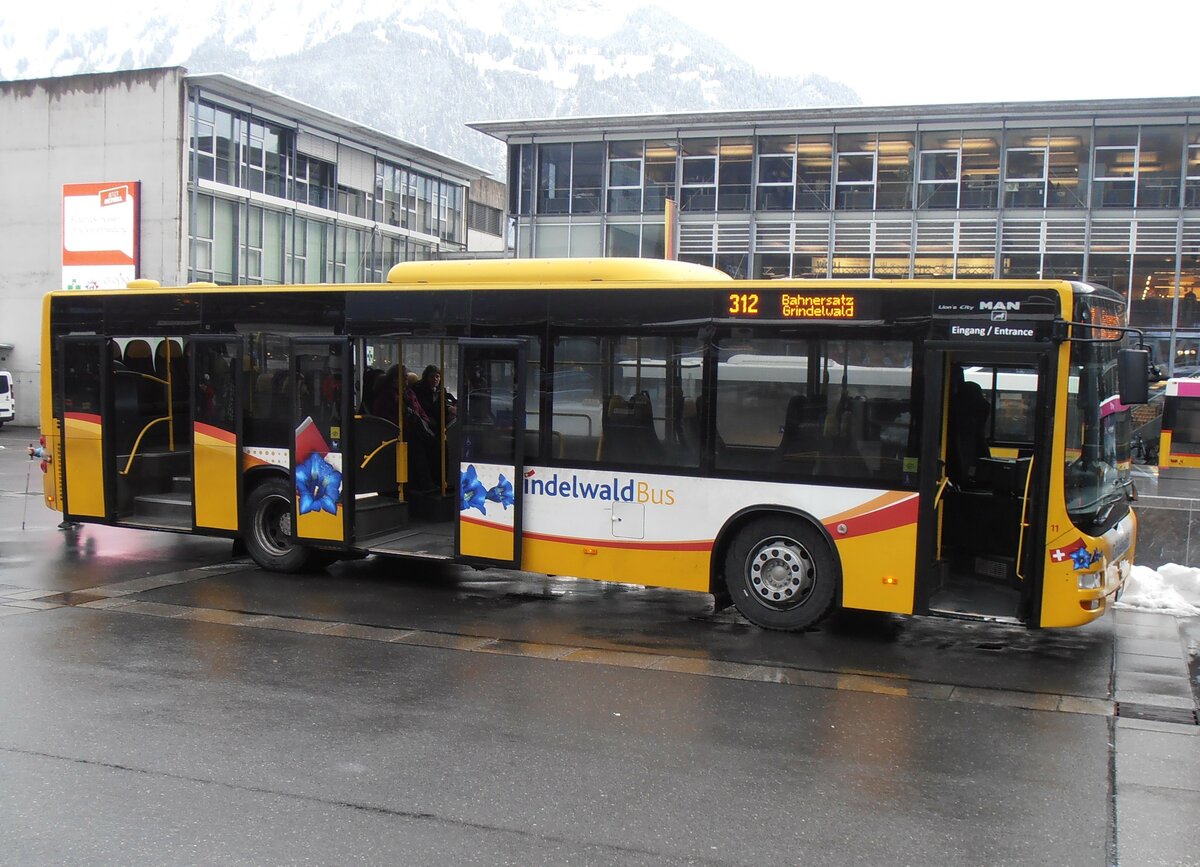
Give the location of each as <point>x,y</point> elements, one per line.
<point>8,400</point>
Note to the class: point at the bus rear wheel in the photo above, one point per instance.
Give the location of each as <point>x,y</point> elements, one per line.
<point>781,573</point>
<point>268,531</point>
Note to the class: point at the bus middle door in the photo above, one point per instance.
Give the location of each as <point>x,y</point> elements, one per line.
<point>322,477</point>
<point>216,377</point>
<point>491,411</point>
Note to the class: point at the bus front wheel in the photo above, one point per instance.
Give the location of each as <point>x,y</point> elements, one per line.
<point>268,533</point>
<point>781,573</point>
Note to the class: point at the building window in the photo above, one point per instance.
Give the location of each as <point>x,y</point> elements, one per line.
<point>1025,169</point>
<point>203,144</point>
<point>520,178</point>
<point>979,170</point>
<point>1115,173</point>
<point>351,201</point>
<point>202,240</point>
<point>554,179</point>
<point>252,245</point>
<point>894,171</point>
<point>776,173</point>
<point>938,174</point>
<point>624,177</point>
<point>314,182</point>
<point>1192,178</point>
<point>1159,153</point>
<point>659,175</point>
<point>856,172</point>
<point>814,169</point>
<point>736,166</point>
<point>698,190</point>
<point>1046,168</point>
<point>587,177</point>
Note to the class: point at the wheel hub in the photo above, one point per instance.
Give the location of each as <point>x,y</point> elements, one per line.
<point>781,572</point>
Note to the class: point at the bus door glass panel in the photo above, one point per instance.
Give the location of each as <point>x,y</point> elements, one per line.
<point>216,417</point>
<point>377,418</point>
<point>320,405</point>
<point>83,392</point>
<point>491,412</point>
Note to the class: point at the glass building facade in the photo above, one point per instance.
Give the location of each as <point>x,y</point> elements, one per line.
<point>281,193</point>
<point>1107,191</point>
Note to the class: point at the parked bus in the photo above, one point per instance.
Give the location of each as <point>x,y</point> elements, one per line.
<point>1179,440</point>
<point>955,448</point>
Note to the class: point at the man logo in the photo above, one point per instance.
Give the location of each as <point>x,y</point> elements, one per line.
<point>999,305</point>
<point>999,315</point>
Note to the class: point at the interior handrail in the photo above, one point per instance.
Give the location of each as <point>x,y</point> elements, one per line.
<point>378,449</point>
<point>1023,526</point>
<point>137,442</point>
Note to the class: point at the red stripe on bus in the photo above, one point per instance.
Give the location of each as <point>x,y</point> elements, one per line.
<point>216,433</point>
<point>89,417</point>
<point>887,518</point>
<point>633,544</point>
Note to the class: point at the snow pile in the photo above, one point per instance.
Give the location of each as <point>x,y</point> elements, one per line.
<point>1171,589</point>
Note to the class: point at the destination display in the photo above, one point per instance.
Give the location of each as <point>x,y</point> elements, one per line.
<point>793,305</point>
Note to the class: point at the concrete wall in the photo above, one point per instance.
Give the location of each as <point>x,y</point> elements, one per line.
<point>124,126</point>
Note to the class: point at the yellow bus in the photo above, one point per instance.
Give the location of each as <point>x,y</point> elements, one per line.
<point>939,447</point>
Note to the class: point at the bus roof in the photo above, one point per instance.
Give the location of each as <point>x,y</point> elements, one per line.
<point>552,271</point>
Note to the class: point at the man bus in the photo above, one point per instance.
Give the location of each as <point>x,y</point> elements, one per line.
<point>944,447</point>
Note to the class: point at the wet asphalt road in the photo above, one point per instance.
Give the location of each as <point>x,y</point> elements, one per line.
<point>160,704</point>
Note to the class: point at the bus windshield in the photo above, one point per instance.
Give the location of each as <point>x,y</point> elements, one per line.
<point>1097,456</point>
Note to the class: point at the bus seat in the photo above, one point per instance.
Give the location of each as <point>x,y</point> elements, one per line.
<point>966,434</point>
<point>137,357</point>
<point>801,440</point>
<point>160,358</point>
<point>118,357</point>
<point>262,395</point>
<point>628,430</point>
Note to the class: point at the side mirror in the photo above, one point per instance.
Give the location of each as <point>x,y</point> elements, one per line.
<point>1133,376</point>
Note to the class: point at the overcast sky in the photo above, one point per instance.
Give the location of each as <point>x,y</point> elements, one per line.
<point>889,53</point>
<point>919,52</point>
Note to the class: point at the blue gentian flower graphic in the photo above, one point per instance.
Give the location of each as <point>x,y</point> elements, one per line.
<point>502,493</point>
<point>318,485</point>
<point>471,492</point>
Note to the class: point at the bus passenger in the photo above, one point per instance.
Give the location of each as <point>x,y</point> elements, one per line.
<point>429,393</point>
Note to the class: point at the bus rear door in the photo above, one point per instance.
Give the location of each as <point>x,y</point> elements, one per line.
<point>82,398</point>
<point>491,411</point>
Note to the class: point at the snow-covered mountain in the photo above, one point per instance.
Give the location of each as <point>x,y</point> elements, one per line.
<point>421,69</point>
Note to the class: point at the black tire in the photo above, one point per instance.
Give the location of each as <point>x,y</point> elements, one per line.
<point>268,527</point>
<point>781,573</point>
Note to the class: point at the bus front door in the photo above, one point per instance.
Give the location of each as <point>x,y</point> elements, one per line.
<point>83,395</point>
<point>491,412</point>
<point>322,480</point>
<point>984,489</point>
<point>216,405</point>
